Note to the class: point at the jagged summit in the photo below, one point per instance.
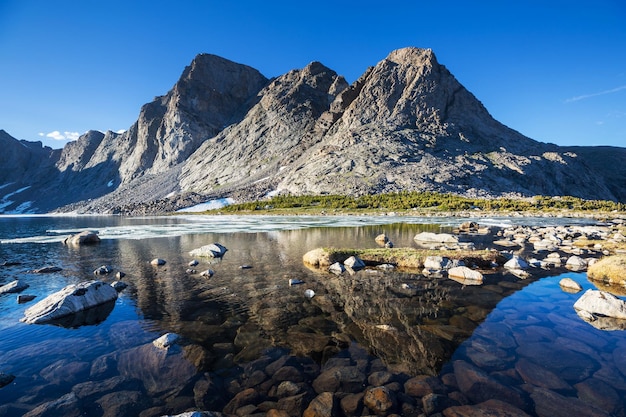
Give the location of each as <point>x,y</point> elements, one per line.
<point>226,130</point>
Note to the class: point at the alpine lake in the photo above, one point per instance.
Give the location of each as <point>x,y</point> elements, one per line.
<point>249,343</point>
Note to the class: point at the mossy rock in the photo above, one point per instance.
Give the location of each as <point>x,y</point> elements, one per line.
<point>610,270</point>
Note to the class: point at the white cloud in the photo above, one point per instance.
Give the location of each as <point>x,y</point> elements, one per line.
<point>56,135</point>
<point>601,93</point>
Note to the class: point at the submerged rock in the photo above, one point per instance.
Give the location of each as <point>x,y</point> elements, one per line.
<point>46,270</point>
<point>70,300</point>
<point>166,340</point>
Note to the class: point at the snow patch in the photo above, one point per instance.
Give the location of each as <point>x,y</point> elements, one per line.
<point>208,205</point>
<point>272,193</point>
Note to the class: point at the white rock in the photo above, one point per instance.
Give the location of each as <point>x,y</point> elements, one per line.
<point>193,262</point>
<point>208,273</point>
<point>354,263</point>
<point>337,268</point>
<point>13,287</point>
<point>516,263</point>
<point>464,273</point>
<point>214,250</point>
<point>309,293</point>
<point>165,341</point>
<point>601,303</point>
<point>576,262</point>
<point>570,284</point>
<point>70,300</point>
<point>295,281</point>
<point>436,237</point>
<point>158,262</point>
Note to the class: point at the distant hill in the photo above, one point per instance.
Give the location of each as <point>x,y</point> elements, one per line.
<point>224,130</point>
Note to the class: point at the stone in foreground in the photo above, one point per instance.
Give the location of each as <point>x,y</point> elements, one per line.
<point>70,300</point>
<point>601,303</point>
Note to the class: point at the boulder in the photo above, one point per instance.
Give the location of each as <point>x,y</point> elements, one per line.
<point>429,237</point>
<point>381,400</point>
<point>70,300</point>
<point>86,237</point>
<point>317,258</point>
<point>469,226</point>
<point>158,262</point>
<point>569,285</point>
<point>354,263</point>
<point>516,263</point>
<point>381,239</point>
<point>13,287</point>
<point>438,263</point>
<point>576,263</point>
<point>337,268</point>
<point>465,274</point>
<point>601,303</point>
<point>119,285</point>
<point>21,299</point>
<point>214,250</point>
<point>102,270</point>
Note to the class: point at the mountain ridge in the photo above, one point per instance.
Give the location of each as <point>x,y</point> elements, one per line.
<point>225,130</point>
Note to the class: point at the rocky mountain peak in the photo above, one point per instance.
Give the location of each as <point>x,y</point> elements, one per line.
<point>413,56</point>
<point>224,130</point>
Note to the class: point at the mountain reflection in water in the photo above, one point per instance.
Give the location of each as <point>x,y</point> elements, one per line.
<point>412,323</point>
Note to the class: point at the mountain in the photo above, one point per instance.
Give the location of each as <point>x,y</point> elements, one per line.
<point>225,130</point>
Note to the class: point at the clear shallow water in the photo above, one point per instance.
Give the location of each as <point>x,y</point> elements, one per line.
<point>259,307</point>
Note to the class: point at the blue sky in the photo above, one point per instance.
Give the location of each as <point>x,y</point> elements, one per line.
<point>552,70</point>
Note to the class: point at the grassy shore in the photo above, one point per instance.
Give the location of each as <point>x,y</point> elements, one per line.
<point>402,257</point>
<point>425,204</point>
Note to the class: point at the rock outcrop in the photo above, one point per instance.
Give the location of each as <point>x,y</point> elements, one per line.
<point>70,300</point>
<point>225,130</point>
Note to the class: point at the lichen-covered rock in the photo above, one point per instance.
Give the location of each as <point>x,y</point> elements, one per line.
<point>70,300</point>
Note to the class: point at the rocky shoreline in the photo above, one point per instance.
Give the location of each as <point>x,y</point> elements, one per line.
<point>333,376</point>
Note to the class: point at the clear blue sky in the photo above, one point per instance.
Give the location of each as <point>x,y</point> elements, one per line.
<point>553,70</point>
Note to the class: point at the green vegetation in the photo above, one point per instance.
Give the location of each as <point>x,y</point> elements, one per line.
<point>402,257</point>
<point>423,201</point>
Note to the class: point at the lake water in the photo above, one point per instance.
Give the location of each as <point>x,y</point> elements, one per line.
<point>412,324</point>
